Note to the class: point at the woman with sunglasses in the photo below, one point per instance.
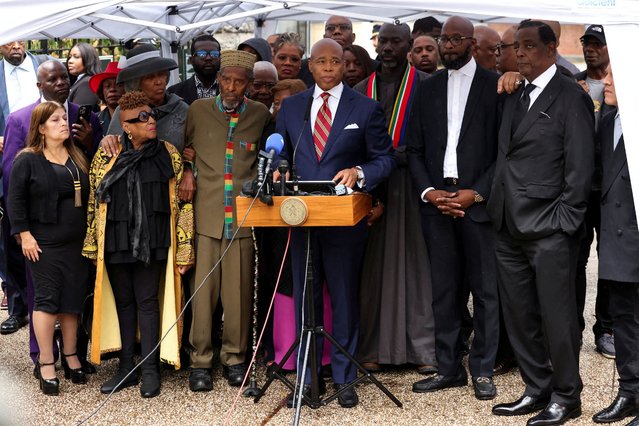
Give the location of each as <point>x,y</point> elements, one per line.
<point>140,236</point>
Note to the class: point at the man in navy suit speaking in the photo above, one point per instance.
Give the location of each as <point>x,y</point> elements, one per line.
<point>342,137</point>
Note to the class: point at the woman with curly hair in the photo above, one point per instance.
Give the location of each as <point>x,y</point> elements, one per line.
<point>288,56</point>
<point>140,236</point>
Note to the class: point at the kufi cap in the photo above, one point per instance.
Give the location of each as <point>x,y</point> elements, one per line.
<point>237,58</point>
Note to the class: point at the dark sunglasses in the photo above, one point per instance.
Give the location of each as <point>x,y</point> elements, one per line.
<point>143,117</point>
<point>211,53</point>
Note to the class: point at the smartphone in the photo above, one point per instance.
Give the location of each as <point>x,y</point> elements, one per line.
<point>84,112</point>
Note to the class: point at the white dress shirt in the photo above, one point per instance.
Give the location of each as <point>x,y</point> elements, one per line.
<point>459,82</point>
<point>617,132</point>
<point>333,101</point>
<point>21,83</point>
<point>541,82</point>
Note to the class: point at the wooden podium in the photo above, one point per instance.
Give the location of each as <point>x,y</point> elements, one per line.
<point>308,210</point>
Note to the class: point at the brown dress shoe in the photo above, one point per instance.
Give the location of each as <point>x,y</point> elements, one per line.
<point>373,367</point>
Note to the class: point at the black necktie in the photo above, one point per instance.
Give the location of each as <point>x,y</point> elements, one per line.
<point>521,108</point>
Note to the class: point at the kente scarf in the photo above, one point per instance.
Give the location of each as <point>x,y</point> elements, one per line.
<point>127,166</point>
<point>399,118</point>
<point>234,117</point>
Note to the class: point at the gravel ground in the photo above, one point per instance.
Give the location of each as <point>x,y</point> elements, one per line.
<point>21,402</point>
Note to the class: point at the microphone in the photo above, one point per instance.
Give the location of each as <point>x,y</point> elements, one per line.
<point>307,117</point>
<point>274,145</point>
<point>283,168</point>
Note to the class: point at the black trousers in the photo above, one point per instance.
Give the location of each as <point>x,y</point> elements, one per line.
<point>135,287</point>
<point>537,291</point>
<point>624,307</point>
<point>461,248</point>
<point>603,317</point>
<point>16,273</point>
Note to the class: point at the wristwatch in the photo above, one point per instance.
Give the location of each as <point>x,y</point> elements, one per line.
<point>478,197</point>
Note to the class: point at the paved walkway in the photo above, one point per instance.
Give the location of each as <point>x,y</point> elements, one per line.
<point>21,402</point>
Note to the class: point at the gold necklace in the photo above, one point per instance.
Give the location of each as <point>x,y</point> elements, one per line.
<point>77,186</point>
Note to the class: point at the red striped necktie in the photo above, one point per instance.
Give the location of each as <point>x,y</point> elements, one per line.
<point>322,126</point>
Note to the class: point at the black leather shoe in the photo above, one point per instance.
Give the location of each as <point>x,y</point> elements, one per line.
<point>150,384</point>
<point>48,386</point>
<point>111,385</point>
<point>348,398</point>
<point>504,365</point>
<point>13,324</point>
<point>87,367</point>
<point>555,414</point>
<point>307,393</point>
<point>234,374</point>
<point>76,375</point>
<point>438,382</point>
<point>484,388</point>
<point>634,422</point>
<point>200,380</point>
<point>620,408</point>
<point>524,405</point>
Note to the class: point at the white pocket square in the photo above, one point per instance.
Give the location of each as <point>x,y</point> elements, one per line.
<point>351,126</point>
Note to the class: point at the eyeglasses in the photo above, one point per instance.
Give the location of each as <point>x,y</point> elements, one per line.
<point>259,85</point>
<point>454,40</point>
<point>504,45</point>
<point>143,117</point>
<point>342,27</point>
<point>211,53</point>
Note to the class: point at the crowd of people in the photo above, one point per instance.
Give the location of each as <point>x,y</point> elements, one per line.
<point>492,161</point>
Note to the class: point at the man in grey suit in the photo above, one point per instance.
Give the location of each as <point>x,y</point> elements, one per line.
<point>545,161</point>
<point>618,254</point>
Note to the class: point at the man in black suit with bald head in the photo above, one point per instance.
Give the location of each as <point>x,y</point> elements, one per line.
<point>538,202</point>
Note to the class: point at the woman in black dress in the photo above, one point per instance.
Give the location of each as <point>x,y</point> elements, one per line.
<point>47,203</point>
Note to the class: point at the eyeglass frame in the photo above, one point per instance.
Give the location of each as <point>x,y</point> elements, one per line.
<point>342,27</point>
<point>442,40</point>
<point>503,45</point>
<point>215,54</point>
<point>258,84</point>
<point>139,119</point>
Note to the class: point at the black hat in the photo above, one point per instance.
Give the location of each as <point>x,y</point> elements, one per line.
<point>375,32</point>
<point>142,60</point>
<point>595,31</point>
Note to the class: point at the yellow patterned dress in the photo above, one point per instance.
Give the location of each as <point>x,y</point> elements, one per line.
<point>105,332</point>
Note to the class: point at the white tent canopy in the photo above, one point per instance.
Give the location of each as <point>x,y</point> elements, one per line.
<point>177,22</point>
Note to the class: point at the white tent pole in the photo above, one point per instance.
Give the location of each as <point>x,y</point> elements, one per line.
<point>230,17</point>
<point>133,21</point>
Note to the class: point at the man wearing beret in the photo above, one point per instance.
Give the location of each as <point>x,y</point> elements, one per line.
<point>225,132</point>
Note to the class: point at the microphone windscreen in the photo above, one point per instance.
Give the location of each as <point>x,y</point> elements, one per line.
<point>275,142</point>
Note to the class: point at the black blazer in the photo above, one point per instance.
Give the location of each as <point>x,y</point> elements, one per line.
<point>543,173</point>
<point>186,90</point>
<point>33,192</point>
<point>618,237</point>
<point>477,146</point>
